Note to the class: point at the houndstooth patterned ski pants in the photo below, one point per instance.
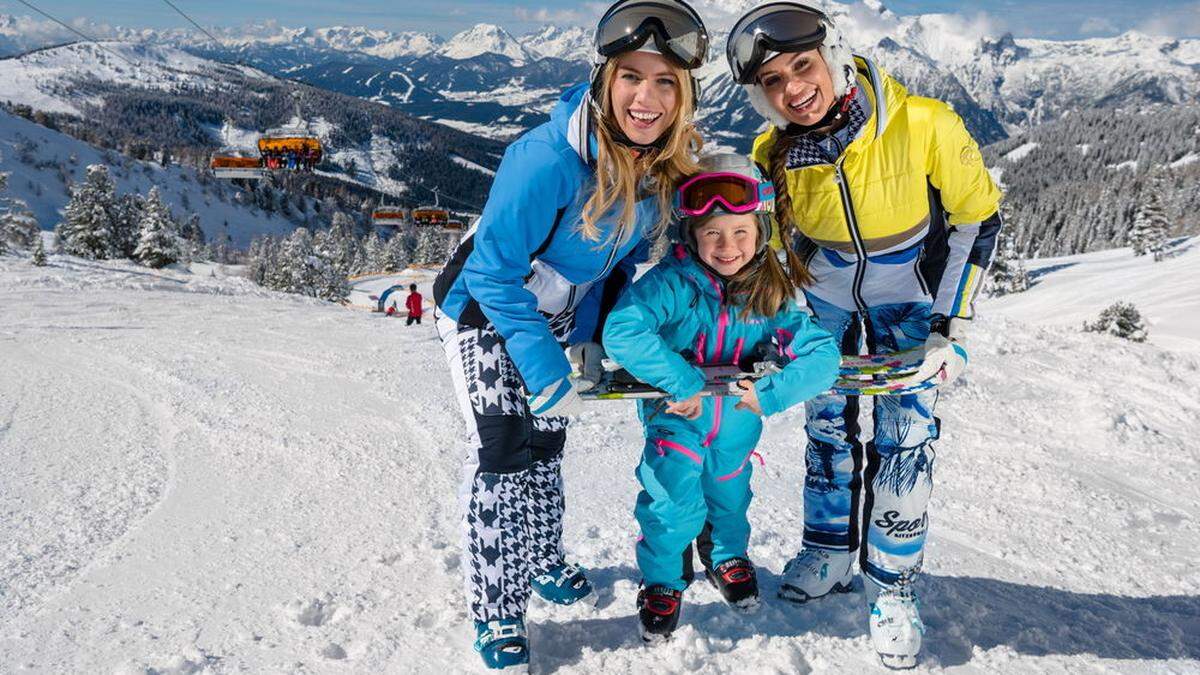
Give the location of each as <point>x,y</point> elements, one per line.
<point>512,490</point>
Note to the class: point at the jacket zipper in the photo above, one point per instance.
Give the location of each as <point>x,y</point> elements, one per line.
<point>860,266</point>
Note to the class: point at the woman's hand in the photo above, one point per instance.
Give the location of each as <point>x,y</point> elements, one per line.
<point>688,409</point>
<point>749,397</point>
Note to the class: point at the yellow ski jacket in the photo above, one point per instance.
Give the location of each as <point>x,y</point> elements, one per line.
<point>912,168</point>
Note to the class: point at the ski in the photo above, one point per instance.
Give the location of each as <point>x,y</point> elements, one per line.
<point>881,387</point>
<point>719,380</point>
<point>899,363</point>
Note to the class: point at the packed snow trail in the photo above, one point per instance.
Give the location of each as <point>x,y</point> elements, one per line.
<point>198,475</point>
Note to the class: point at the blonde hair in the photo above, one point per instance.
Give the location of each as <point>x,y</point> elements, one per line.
<point>618,170</point>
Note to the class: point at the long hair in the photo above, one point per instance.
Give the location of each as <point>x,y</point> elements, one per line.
<point>763,286</point>
<point>618,169</point>
<point>797,246</point>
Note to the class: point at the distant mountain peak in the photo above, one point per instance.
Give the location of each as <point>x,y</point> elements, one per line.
<point>484,38</point>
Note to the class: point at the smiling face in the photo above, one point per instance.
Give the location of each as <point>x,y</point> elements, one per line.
<point>727,242</point>
<point>798,86</point>
<point>644,96</point>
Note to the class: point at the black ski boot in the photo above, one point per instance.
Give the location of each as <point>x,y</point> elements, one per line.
<point>737,582</point>
<point>658,612</point>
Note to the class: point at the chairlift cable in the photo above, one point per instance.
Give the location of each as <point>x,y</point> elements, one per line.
<point>193,22</point>
<point>77,32</point>
<point>439,193</point>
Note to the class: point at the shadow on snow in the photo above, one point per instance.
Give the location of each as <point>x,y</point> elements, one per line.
<point>961,613</point>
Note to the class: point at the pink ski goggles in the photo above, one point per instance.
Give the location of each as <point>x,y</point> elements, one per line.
<point>732,192</point>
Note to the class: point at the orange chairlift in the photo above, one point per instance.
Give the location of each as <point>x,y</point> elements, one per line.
<point>290,148</point>
<point>389,216</point>
<point>431,216</point>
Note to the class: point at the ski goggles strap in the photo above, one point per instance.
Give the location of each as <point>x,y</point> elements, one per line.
<point>733,192</point>
<point>674,26</point>
<point>779,27</point>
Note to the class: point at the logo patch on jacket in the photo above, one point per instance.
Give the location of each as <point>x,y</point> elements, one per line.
<point>970,156</point>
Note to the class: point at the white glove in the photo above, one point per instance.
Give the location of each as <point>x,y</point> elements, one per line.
<point>587,364</point>
<point>558,400</point>
<point>945,351</point>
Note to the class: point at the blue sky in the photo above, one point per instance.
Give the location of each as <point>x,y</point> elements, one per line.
<point>1025,18</point>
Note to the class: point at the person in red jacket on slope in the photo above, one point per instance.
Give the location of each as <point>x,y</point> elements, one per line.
<point>413,303</point>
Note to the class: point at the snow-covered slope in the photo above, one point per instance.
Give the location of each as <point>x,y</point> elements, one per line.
<point>1073,289</point>
<point>199,476</point>
<point>42,161</point>
<point>47,79</point>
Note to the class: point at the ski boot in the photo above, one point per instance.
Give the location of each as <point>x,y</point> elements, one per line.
<point>737,582</point>
<point>658,612</point>
<point>564,584</point>
<point>503,645</point>
<point>896,626</point>
<point>815,573</point>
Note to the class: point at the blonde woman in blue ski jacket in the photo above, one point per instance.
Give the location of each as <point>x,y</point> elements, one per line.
<point>724,297</point>
<point>567,219</point>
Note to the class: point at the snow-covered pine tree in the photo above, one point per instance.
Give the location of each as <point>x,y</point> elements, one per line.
<point>18,226</point>
<point>427,250</point>
<point>1150,224</point>
<point>295,268</point>
<point>395,254</point>
<point>127,221</point>
<point>86,229</point>
<point>1122,320</point>
<point>373,250</point>
<point>261,259</point>
<point>329,278</point>
<point>158,235</point>
<point>191,237</point>
<point>39,253</point>
<point>1007,273</point>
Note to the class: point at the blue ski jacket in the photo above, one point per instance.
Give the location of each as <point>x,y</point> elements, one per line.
<point>524,265</point>
<point>678,306</point>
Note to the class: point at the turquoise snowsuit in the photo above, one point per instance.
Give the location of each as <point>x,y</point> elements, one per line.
<point>693,470</point>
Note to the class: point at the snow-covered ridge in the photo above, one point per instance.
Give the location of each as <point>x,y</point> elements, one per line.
<point>37,79</point>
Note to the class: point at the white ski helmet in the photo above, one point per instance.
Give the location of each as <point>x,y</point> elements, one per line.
<point>776,28</point>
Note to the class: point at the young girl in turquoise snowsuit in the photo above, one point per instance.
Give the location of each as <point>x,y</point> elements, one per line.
<point>723,296</point>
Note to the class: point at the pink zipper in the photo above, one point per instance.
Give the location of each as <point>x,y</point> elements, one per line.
<point>742,467</point>
<point>670,445</point>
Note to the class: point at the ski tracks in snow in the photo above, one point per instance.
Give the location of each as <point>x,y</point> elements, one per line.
<point>200,476</point>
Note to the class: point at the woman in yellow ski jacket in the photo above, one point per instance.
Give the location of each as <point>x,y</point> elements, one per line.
<point>886,197</point>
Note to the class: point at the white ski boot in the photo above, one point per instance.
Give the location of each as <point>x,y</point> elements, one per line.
<point>896,626</point>
<point>815,573</point>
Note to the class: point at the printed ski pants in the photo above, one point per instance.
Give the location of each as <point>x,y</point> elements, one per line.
<point>512,493</point>
<point>692,472</point>
<point>888,479</point>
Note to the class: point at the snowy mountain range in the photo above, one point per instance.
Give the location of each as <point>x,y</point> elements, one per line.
<point>491,82</point>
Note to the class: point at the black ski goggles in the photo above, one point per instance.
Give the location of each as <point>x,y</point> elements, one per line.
<point>785,27</point>
<point>675,27</point>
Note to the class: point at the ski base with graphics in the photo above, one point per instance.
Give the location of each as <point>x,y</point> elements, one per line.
<point>863,375</point>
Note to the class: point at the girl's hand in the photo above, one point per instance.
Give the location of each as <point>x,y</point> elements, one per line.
<point>749,397</point>
<point>688,409</point>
